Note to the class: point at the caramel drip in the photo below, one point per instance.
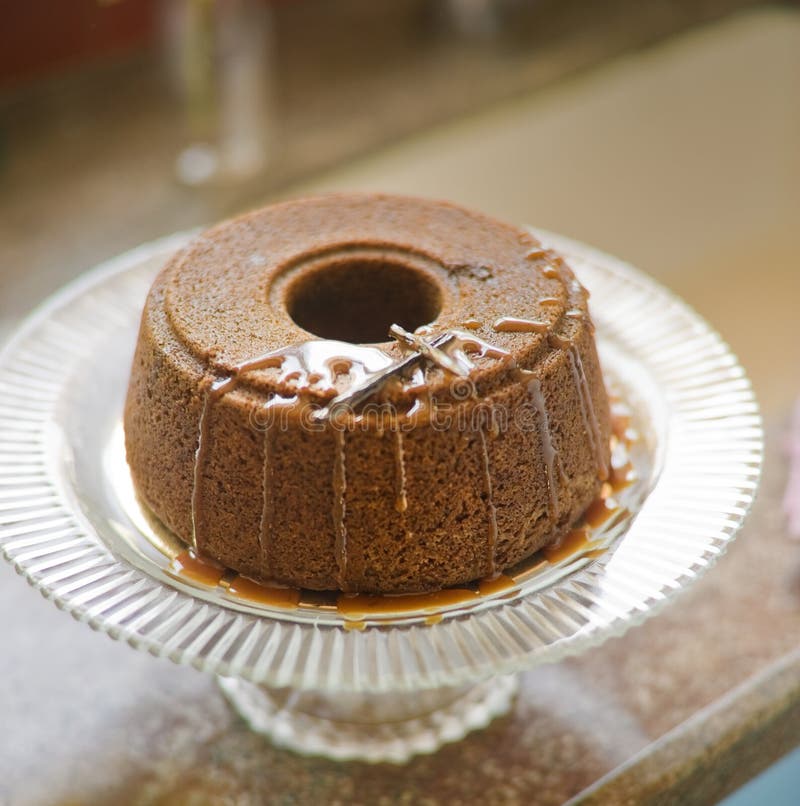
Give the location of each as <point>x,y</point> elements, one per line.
<point>401,503</point>
<point>339,506</point>
<point>420,408</point>
<point>268,503</point>
<point>464,345</point>
<point>492,510</point>
<point>484,349</point>
<point>535,388</point>
<point>512,324</point>
<point>214,391</point>
<point>312,365</point>
<point>199,461</point>
<point>588,413</point>
<point>537,253</point>
<point>578,315</point>
<point>265,528</point>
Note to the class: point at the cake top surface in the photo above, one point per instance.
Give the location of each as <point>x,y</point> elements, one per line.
<point>312,281</point>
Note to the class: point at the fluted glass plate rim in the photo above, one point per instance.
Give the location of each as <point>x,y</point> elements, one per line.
<point>713,419</point>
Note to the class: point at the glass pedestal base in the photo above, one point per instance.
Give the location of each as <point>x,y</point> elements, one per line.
<point>389,727</point>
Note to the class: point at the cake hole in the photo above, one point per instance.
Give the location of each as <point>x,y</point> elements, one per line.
<point>357,300</point>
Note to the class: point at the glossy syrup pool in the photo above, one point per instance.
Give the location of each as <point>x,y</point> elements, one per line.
<point>635,463</point>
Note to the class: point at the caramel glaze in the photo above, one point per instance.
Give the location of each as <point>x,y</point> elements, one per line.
<point>319,371</point>
<point>537,253</point>
<point>549,451</point>
<point>244,588</point>
<point>356,608</point>
<point>574,543</point>
<point>317,364</point>
<point>359,606</point>
<point>209,573</point>
<point>513,324</point>
<point>313,366</point>
<point>340,506</point>
<point>198,569</point>
<point>496,584</point>
<point>401,500</point>
<point>491,548</point>
<point>589,416</point>
<point>510,324</point>
<point>267,507</point>
<point>599,511</point>
<point>366,604</point>
<point>579,542</point>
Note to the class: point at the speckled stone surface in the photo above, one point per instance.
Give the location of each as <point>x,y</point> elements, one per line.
<point>716,750</point>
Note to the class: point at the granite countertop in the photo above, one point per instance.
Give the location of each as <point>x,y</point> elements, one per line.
<point>680,710</point>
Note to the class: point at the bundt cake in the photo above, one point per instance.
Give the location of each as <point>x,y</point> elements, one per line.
<point>367,393</point>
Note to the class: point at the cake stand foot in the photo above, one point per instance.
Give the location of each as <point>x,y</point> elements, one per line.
<point>389,727</point>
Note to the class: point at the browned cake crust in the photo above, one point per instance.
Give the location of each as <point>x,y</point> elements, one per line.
<point>466,477</point>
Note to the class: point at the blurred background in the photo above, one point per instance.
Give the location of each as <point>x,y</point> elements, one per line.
<point>664,131</point>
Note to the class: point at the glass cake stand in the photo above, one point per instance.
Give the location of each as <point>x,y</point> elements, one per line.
<point>387,685</point>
